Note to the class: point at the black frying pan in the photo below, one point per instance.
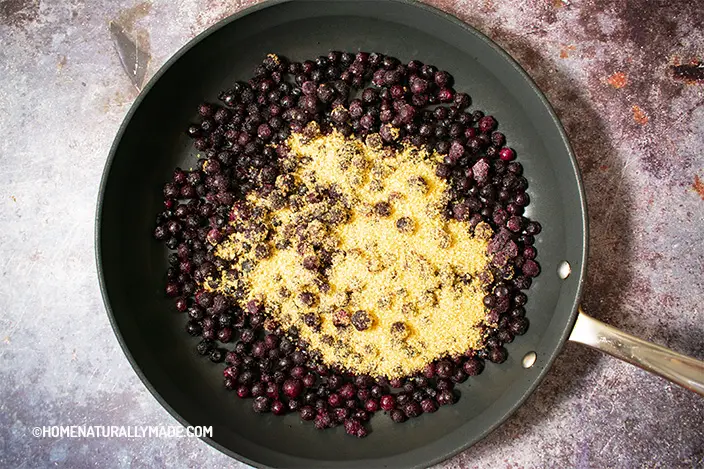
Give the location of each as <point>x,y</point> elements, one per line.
<point>151,142</point>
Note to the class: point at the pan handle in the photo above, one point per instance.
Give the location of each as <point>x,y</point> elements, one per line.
<point>680,369</point>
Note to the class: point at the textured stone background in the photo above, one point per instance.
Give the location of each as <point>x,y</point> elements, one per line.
<point>637,128</point>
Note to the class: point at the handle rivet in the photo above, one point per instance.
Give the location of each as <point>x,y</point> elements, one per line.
<point>529,359</point>
<point>564,270</point>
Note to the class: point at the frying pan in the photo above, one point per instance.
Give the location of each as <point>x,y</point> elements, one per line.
<point>151,142</point>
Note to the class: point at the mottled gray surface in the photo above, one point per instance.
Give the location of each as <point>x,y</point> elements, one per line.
<point>638,136</point>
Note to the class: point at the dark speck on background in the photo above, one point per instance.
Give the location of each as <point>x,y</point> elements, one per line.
<point>18,12</point>
<point>690,73</point>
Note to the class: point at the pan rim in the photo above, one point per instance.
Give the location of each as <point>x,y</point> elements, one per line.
<point>549,357</point>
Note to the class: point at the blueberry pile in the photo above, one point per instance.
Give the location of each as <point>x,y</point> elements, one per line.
<point>240,141</point>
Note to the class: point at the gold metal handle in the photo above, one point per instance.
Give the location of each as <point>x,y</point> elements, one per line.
<point>680,369</point>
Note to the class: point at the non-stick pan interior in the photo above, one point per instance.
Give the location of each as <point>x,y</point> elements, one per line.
<point>152,142</point>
